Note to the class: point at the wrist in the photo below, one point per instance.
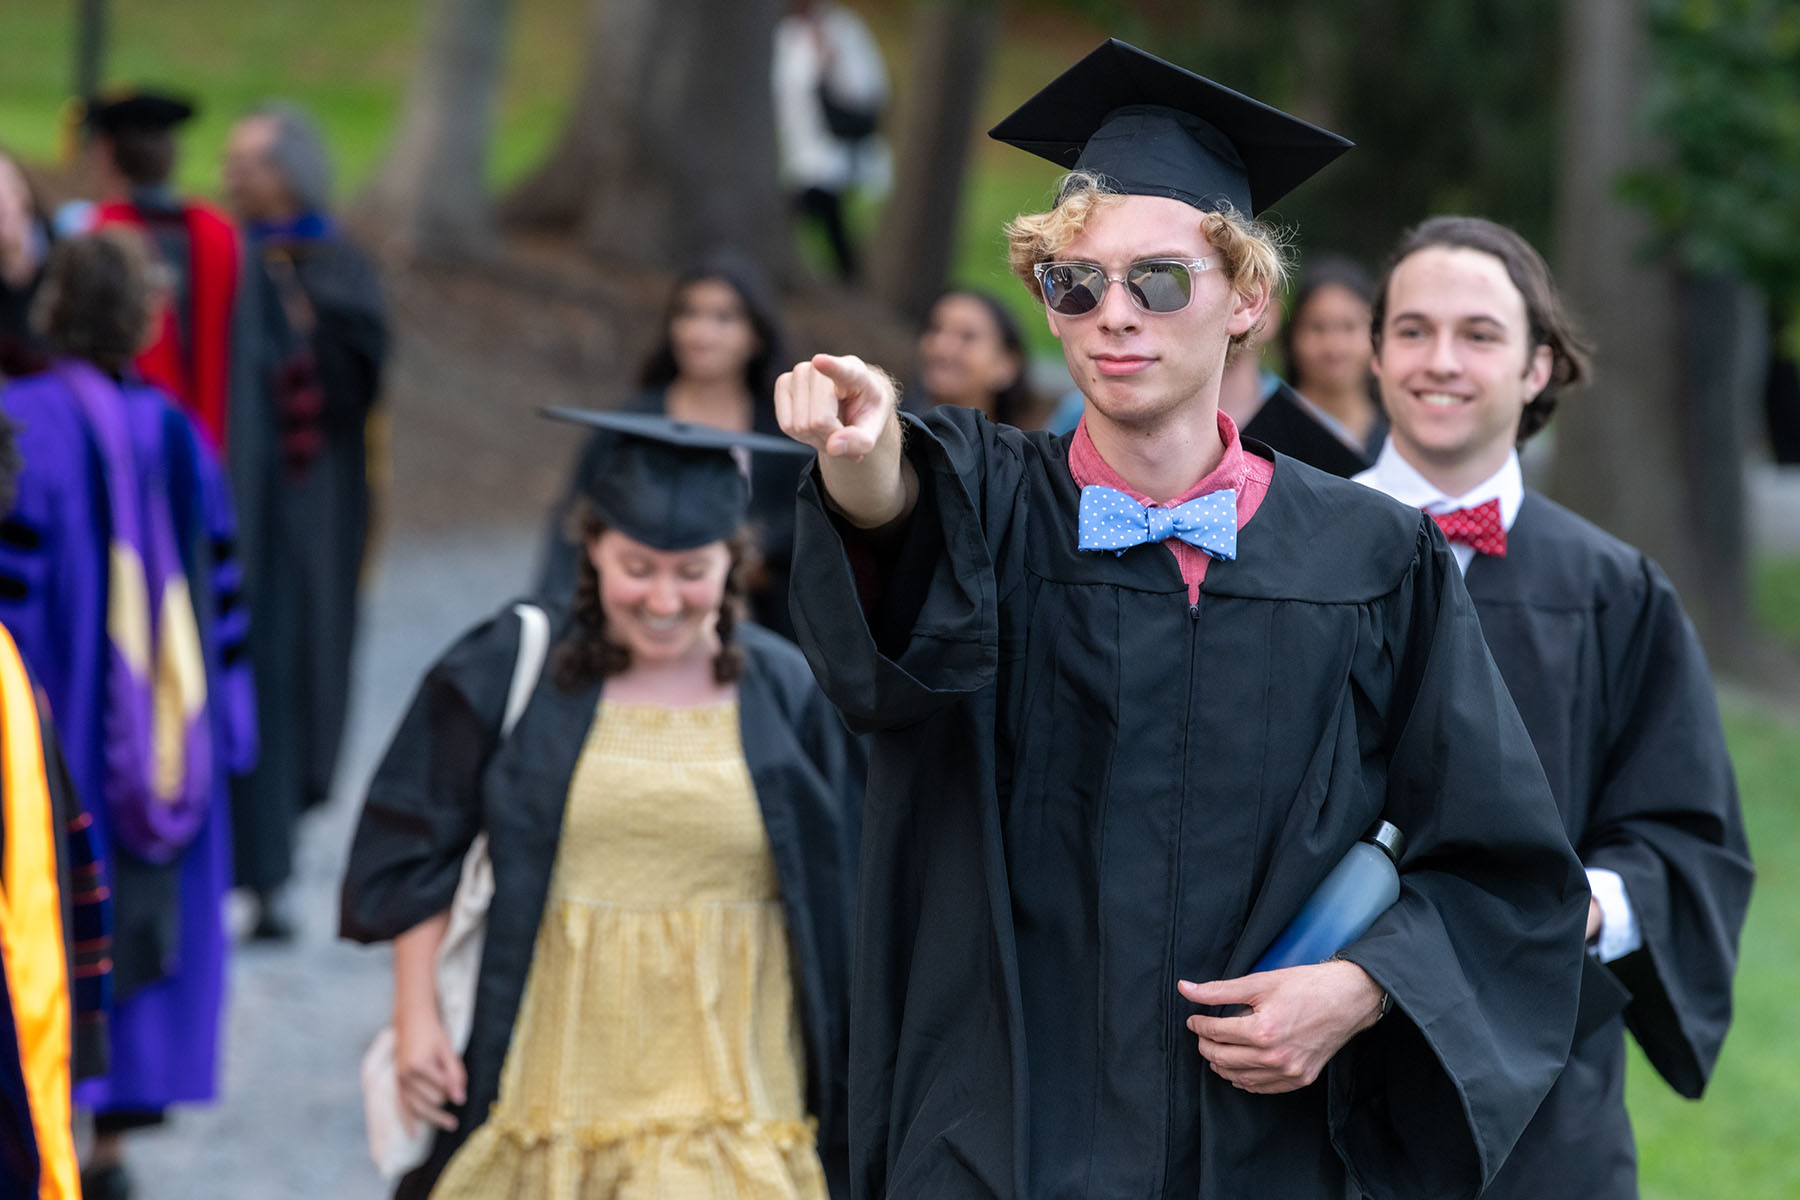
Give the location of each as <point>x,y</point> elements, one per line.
<point>1374,1001</point>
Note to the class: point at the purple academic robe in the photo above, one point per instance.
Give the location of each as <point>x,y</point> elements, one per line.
<point>165,1033</point>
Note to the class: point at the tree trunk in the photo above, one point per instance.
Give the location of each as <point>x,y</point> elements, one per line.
<point>670,149</point>
<point>90,48</point>
<point>430,195</point>
<point>951,42</point>
<point>1650,450</point>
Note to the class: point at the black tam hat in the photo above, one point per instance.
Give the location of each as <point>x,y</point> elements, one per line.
<point>669,484</point>
<point>1151,128</point>
<point>135,110</point>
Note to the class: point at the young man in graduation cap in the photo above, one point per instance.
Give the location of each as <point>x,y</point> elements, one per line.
<point>1472,344</point>
<point>1136,690</point>
<point>133,153</point>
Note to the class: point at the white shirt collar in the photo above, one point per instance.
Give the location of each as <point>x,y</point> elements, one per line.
<point>1401,480</point>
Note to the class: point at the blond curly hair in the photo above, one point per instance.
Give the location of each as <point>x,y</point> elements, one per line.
<point>1255,254</point>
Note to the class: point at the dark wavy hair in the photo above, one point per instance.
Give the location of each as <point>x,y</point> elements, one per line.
<point>1550,323</point>
<point>1015,400</point>
<point>96,297</point>
<point>741,276</point>
<point>587,655</point>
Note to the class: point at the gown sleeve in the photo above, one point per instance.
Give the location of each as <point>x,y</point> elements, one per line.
<point>1666,818</point>
<point>931,636</point>
<point>423,806</point>
<point>87,908</point>
<point>1482,953</point>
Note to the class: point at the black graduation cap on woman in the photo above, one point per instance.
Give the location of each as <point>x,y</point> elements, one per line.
<point>1151,128</point>
<point>672,485</point>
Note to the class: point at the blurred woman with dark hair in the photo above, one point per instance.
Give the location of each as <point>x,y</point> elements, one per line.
<point>24,253</point>
<point>972,353</point>
<point>671,819</point>
<point>1328,416</point>
<point>714,366</point>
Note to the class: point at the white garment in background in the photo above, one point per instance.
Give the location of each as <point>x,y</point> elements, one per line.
<point>810,156</point>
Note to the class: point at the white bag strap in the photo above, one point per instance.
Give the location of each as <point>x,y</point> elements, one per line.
<point>534,644</point>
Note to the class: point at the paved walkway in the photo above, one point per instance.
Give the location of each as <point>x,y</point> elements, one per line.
<point>289,1126</point>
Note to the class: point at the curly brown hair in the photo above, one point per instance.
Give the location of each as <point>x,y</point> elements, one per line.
<point>97,296</point>
<point>587,656</point>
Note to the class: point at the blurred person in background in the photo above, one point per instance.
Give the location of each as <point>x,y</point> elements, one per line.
<point>1472,346</point>
<point>831,87</point>
<point>714,366</point>
<point>24,252</point>
<point>672,825</point>
<point>1247,383</point>
<point>121,595</point>
<point>302,480</point>
<point>55,931</point>
<point>1327,414</point>
<point>971,353</point>
<point>132,155</point>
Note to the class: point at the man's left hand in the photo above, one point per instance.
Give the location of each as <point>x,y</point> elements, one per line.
<point>1299,1018</point>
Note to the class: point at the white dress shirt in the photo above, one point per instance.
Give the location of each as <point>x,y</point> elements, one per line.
<point>1619,933</point>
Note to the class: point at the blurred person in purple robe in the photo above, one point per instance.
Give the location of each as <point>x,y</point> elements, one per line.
<point>302,481</point>
<point>117,582</point>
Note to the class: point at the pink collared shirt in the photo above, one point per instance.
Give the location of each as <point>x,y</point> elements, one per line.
<point>1249,473</point>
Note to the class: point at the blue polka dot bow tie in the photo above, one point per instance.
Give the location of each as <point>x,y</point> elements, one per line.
<point>1112,520</point>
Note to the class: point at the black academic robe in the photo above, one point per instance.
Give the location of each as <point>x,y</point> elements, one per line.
<point>773,478</point>
<point>305,532</point>
<point>1083,789</point>
<point>1614,690</point>
<point>444,778</point>
<point>1284,425</point>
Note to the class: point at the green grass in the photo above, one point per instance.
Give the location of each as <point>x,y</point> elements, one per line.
<point>1776,593</point>
<point>346,60</point>
<point>1739,1141</point>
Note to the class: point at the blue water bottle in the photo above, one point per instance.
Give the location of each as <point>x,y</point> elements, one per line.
<point>1358,890</point>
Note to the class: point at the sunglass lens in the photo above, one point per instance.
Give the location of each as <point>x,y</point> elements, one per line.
<point>1073,289</point>
<point>1160,287</point>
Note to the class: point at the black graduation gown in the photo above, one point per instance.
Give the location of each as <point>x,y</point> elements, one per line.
<point>303,541</point>
<point>1083,789</point>
<point>773,478</point>
<point>444,778</point>
<point>1283,424</point>
<point>1614,690</point>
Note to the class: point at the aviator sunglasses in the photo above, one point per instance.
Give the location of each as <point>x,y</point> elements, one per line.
<point>1155,285</point>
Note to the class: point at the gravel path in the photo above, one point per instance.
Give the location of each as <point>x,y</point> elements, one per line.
<point>289,1125</point>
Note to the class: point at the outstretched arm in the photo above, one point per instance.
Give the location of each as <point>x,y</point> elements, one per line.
<point>846,410</point>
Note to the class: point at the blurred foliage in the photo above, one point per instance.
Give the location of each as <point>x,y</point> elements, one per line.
<point>1454,106</point>
<point>1725,99</point>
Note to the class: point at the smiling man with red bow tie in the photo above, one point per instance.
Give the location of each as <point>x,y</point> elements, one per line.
<point>1471,346</point>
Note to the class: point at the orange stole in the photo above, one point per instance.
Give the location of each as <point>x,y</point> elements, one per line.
<point>31,930</point>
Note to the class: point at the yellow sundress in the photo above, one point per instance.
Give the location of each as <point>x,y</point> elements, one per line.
<point>658,1051</point>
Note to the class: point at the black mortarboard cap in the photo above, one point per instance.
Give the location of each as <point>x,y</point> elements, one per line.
<point>135,110</point>
<point>1152,128</point>
<point>671,484</point>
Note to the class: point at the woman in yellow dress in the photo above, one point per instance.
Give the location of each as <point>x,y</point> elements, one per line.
<point>661,1004</point>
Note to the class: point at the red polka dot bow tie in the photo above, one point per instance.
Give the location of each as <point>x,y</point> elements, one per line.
<point>1479,527</point>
